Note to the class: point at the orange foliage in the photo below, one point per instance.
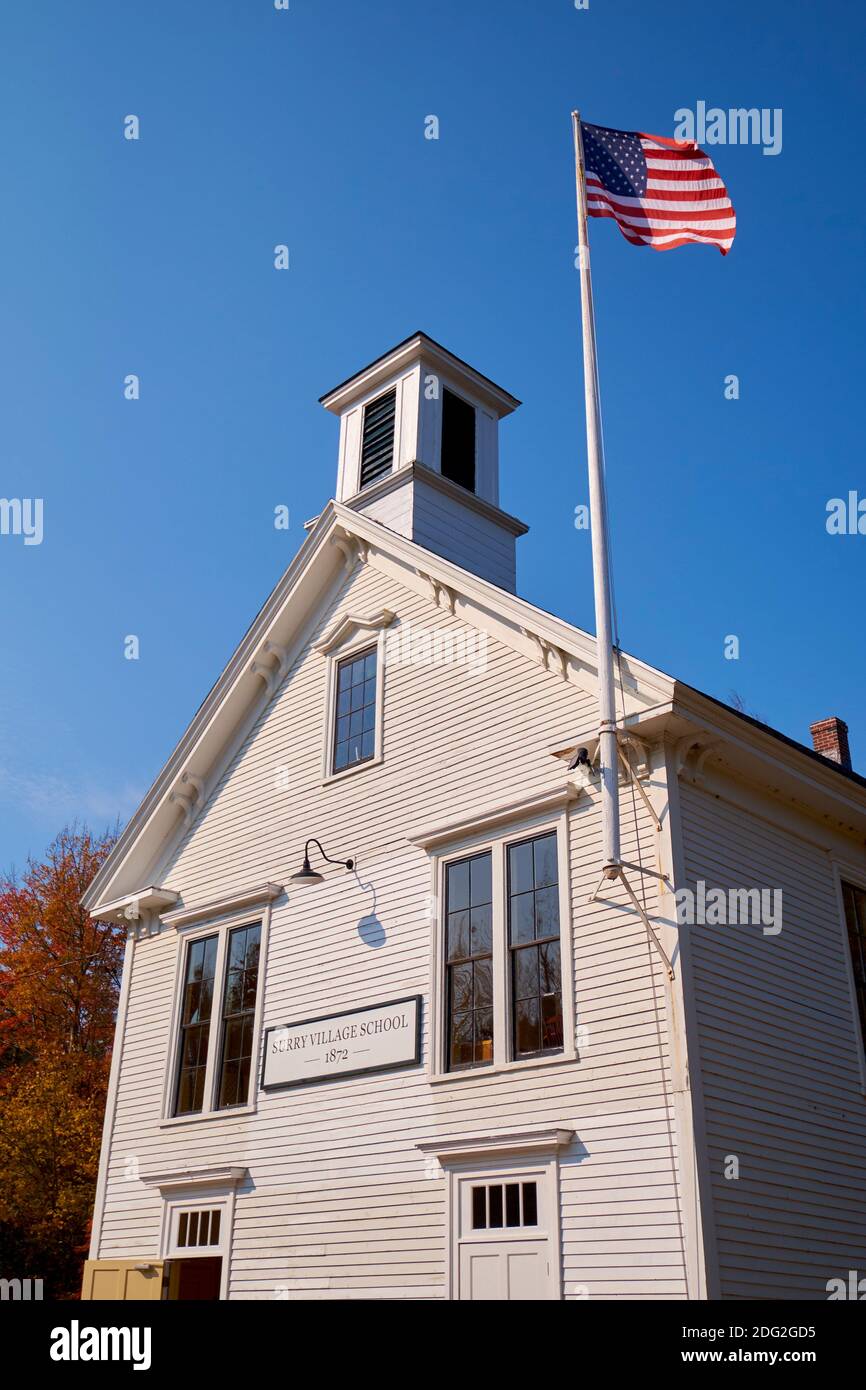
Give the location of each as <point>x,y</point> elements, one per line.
<point>59,979</point>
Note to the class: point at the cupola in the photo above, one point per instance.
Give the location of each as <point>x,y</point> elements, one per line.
<point>419,452</point>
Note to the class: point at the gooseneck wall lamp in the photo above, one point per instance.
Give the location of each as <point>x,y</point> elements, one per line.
<point>307,875</point>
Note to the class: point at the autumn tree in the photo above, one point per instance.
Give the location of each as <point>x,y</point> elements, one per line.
<point>59,980</point>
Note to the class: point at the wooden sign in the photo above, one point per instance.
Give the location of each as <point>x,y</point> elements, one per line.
<point>378,1038</point>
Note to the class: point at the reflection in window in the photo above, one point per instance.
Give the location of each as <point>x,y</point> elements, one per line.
<point>533,938</point>
<point>469,960</point>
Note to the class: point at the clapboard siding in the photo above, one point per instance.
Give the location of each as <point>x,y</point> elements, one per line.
<point>779,1060</point>
<point>447,527</point>
<point>342,1203</point>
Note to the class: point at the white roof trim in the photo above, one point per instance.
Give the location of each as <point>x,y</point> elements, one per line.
<point>129,908</point>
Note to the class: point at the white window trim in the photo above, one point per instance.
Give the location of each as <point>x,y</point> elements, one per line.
<point>847,873</point>
<point>220,927</point>
<point>498,1157</point>
<point>496,840</point>
<point>363,641</point>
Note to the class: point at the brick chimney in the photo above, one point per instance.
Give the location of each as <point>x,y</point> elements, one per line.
<point>830,739</point>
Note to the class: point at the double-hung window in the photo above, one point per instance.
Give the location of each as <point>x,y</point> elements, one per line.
<point>355,710</point>
<point>504,995</point>
<point>217,1020</point>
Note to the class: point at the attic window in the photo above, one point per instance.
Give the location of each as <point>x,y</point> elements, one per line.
<point>377,446</point>
<point>458,440</point>
<point>355,713</point>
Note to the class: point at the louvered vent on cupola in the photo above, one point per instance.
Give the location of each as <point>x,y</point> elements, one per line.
<point>377,449</point>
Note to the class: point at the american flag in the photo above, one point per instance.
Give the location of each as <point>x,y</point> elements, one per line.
<point>661,193</point>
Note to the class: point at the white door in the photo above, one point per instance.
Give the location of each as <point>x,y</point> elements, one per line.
<point>505,1236</point>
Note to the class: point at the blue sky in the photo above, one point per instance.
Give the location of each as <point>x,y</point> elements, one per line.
<point>306,127</point>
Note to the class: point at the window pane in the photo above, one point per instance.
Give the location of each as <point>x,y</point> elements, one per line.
<point>530,1204</point>
<point>215,1220</point>
<point>481,930</point>
<point>551,1022</point>
<point>550,976</point>
<point>483,1035</point>
<point>527,1036</point>
<point>512,1204</point>
<point>181,1229</point>
<point>522,914</point>
<point>495,1198</point>
<point>461,1050</point>
<point>546,913</point>
<point>458,885</point>
<point>526,973</point>
<point>461,988</point>
<point>481,884</point>
<point>458,935</point>
<point>545,861</point>
<point>520,877</point>
<point>479,1208</point>
<point>483,983</point>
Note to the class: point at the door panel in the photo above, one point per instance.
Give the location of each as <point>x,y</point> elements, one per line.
<point>121,1280</point>
<point>494,1271</point>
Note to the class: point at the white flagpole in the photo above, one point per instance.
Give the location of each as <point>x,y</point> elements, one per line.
<point>608,751</point>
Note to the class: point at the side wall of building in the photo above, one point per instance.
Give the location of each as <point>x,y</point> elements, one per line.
<point>785,1111</point>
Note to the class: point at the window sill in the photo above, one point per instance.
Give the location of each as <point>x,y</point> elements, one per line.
<point>351,771</point>
<point>562,1059</point>
<point>235,1110</point>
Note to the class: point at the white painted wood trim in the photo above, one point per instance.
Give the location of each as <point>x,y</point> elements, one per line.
<point>130,907</point>
<point>111,1096</point>
<point>447,833</point>
<point>471,1148</point>
<point>351,622</point>
<point>220,907</point>
<point>193,1180</point>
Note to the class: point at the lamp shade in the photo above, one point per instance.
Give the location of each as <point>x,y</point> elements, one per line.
<point>306,875</point>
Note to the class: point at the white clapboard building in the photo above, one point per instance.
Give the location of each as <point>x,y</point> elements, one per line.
<point>459,1066</point>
